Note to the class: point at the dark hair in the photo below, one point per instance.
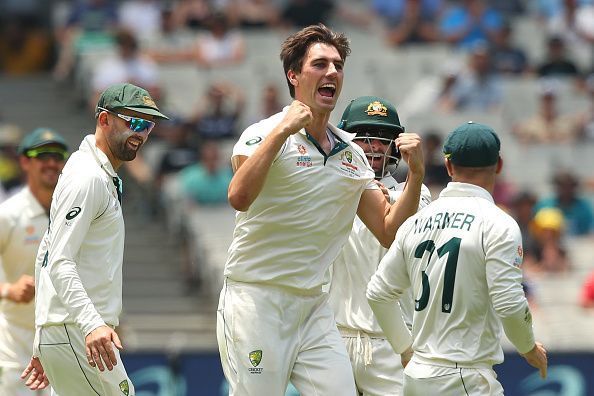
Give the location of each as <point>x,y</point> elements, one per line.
<point>295,47</point>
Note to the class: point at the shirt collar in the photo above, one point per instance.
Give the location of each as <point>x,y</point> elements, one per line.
<point>455,189</point>
<point>35,206</point>
<point>89,145</point>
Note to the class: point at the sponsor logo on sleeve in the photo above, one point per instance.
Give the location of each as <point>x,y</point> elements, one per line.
<point>253,141</point>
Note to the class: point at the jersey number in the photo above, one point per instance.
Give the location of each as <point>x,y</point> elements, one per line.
<point>451,248</point>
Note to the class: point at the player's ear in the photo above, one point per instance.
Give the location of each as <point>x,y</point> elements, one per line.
<point>499,166</point>
<point>292,77</point>
<point>448,166</point>
<point>102,119</point>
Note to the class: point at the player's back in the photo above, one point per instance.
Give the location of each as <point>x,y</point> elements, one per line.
<point>447,247</point>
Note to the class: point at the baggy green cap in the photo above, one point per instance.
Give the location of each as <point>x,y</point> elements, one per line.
<point>41,137</point>
<point>472,145</point>
<point>131,97</point>
<point>370,111</point>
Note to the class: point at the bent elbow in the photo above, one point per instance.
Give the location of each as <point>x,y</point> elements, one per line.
<point>238,201</point>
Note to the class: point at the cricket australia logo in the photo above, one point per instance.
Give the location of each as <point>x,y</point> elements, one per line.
<point>349,156</point>
<point>255,359</point>
<point>377,108</point>
<point>124,387</point>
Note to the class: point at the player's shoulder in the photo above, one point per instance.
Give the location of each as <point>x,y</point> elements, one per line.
<point>14,203</point>
<point>263,127</point>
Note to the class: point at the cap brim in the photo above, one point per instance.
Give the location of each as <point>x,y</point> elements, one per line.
<point>148,111</point>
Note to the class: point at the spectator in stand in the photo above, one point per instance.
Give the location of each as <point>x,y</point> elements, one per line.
<point>574,22</point>
<point>586,118</point>
<point>218,113</point>
<point>206,182</point>
<point>141,17</point>
<point>507,58</point>
<point>409,21</point>
<point>576,209</point>
<point>549,254</point>
<point>557,64</point>
<point>587,294</point>
<point>477,88</point>
<point>547,125</point>
<point>470,23</point>
<point>127,65</point>
<point>253,14</point>
<point>522,210</point>
<point>10,173</point>
<point>89,25</point>
<point>192,14</point>
<point>436,174</point>
<point>301,13</point>
<point>24,46</point>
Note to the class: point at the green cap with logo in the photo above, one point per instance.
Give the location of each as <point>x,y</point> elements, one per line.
<point>131,97</point>
<point>370,111</point>
<point>472,145</point>
<point>41,137</point>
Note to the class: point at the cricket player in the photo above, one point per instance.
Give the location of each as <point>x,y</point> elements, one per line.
<point>79,264</point>
<point>376,368</point>
<point>23,221</point>
<point>462,256</point>
<point>298,183</point>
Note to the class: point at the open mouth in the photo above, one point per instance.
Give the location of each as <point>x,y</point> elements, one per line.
<point>135,143</point>
<point>327,90</point>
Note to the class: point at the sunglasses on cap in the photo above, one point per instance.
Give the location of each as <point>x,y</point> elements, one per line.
<point>45,153</point>
<point>135,124</point>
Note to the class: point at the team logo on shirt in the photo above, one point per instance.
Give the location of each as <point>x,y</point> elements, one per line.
<point>255,359</point>
<point>301,148</point>
<point>31,237</point>
<point>73,212</point>
<point>125,387</point>
<point>253,141</point>
<point>519,257</point>
<point>346,159</point>
<point>303,160</point>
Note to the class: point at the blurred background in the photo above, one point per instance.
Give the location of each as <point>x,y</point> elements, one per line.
<point>524,67</point>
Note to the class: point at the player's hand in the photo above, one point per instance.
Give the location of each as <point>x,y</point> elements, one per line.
<point>537,357</point>
<point>411,148</point>
<point>23,290</point>
<point>406,356</point>
<point>37,378</point>
<point>297,117</point>
<point>100,344</point>
<point>383,189</point>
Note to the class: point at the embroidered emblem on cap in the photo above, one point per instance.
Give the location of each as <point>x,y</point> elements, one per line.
<point>377,108</point>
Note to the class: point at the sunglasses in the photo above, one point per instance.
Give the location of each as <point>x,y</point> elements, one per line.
<point>46,153</point>
<point>135,124</point>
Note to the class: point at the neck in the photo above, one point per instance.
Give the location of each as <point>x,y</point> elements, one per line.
<point>319,124</point>
<point>42,195</point>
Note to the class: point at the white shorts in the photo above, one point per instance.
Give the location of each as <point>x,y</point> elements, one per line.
<point>376,367</point>
<point>62,354</point>
<point>423,379</point>
<point>16,348</point>
<point>268,337</point>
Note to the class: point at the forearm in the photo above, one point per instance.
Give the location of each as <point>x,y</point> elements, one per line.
<point>250,176</point>
<point>74,297</point>
<point>389,317</point>
<point>406,205</point>
<point>518,329</point>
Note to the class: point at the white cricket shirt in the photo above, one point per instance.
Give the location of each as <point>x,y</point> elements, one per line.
<point>462,255</point>
<point>79,263</point>
<point>297,225</point>
<point>357,262</point>
<point>23,222</point>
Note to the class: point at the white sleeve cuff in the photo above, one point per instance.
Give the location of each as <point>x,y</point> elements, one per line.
<point>389,317</point>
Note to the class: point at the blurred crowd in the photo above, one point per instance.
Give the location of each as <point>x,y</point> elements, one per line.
<point>188,160</point>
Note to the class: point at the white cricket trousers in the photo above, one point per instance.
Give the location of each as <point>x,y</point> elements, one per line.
<point>377,368</point>
<point>63,356</point>
<point>15,354</point>
<point>269,336</point>
<point>422,379</point>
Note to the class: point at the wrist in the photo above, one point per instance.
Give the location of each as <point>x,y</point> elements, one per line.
<point>5,291</point>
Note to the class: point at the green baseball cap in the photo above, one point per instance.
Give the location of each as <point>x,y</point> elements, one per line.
<point>41,137</point>
<point>370,111</point>
<point>472,145</point>
<point>131,97</point>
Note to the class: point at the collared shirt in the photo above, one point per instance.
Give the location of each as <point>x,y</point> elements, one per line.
<point>23,222</point>
<point>461,255</point>
<point>79,264</point>
<point>356,264</point>
<point>297,225</point>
